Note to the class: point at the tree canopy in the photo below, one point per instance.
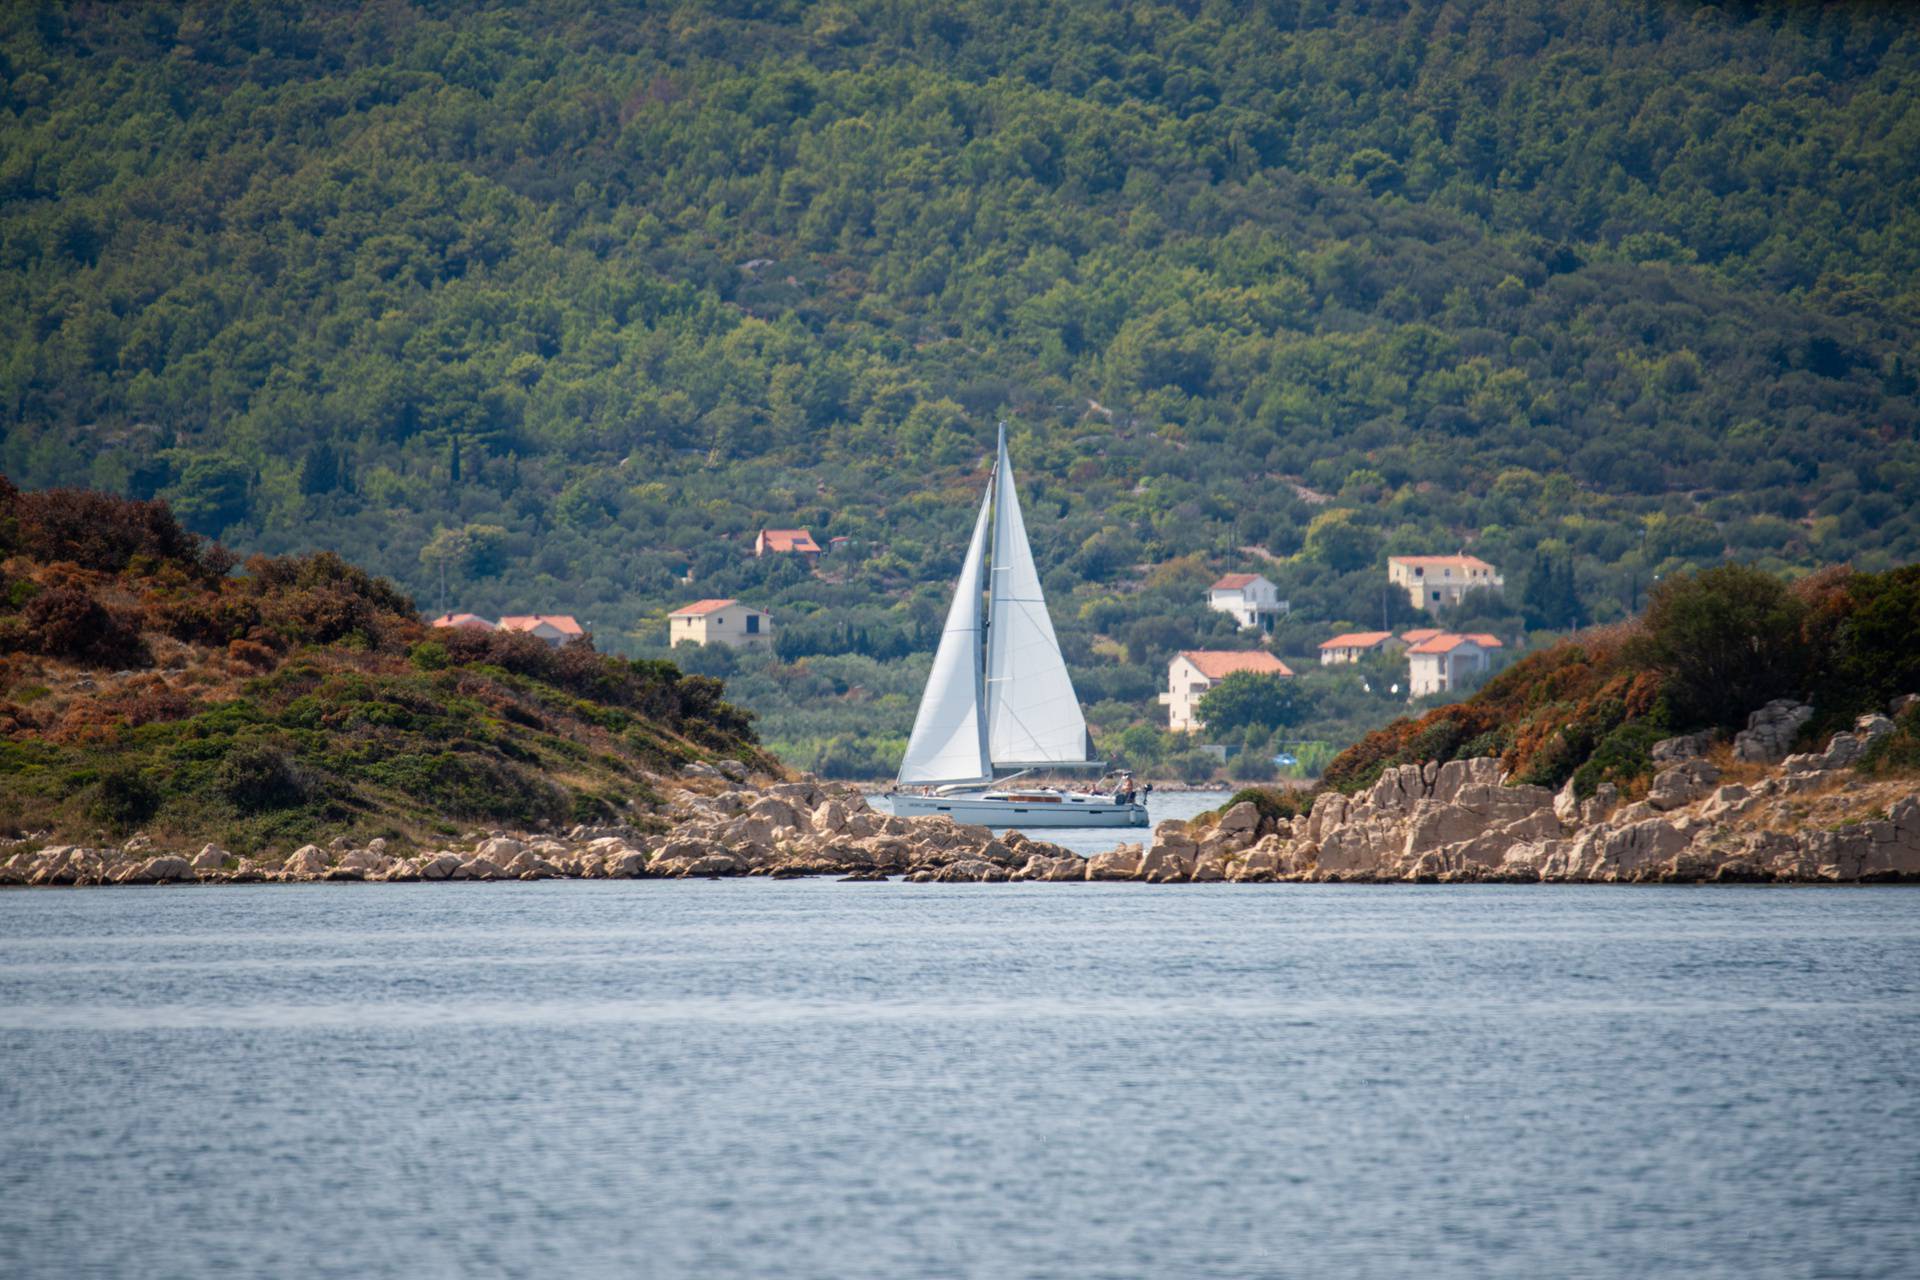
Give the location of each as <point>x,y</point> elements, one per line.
<point>1630,286</point>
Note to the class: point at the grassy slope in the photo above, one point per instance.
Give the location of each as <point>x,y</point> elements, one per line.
<point>145,686</point>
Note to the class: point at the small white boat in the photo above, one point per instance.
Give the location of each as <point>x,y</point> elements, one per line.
<point>999,696</point>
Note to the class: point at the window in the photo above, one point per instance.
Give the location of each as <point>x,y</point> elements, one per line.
<point>753,624</point>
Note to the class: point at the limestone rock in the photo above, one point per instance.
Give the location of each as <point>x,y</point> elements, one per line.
<point>1770,731</point>
<point>1597,807</point>
<point>499,849</point>
<point>1122,863</point>
<point>1166,863</point>
<point>1682,784</point>
<point>969,870</point>
<point>306,862</point>
<point>210,858</point>
<point>1729,801</point>
<point>628,864</point>
<point>1689,746</point>
<point>1242,818</point>
<point>478,868</point>
<point>439,867</point>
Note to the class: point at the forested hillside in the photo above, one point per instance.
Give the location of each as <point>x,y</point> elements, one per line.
<point>567,303</point>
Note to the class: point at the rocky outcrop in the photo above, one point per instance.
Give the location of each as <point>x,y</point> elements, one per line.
<point>1770,731</point>
<point>1810,818</point>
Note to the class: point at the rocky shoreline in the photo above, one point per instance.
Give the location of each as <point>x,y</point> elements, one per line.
<point>1740,813</point>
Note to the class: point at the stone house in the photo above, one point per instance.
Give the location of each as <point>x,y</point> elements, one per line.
<point>1438,582</point>
<point>1194,671</point>
<point>1249,598</point>
<point>1440,662</point>
<point>725,622</point>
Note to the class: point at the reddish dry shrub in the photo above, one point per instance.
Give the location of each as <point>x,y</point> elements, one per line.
<point>102,532</point>
<point>319,599</point>
<point>67,622</point>
<point>251,654</point>
<point>151,705</point>
<point>204,617</point>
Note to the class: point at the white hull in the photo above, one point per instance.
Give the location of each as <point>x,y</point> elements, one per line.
<point>1069,811</point>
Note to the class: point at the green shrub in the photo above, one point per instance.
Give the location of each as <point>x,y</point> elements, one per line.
<point>429,655</point>
<point>1727,640</point>
<point>256,778</point>
<point>1276,804</point>
<point>122,798</point>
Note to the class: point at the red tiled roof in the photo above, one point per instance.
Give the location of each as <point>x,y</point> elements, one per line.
<point>788,540</point>
<point>462,620</point>
<point>561,622</point>
<point>1447,642</point>
<point>1457,562</point>
<point>1234,582</point>
<point>1418,634</point>
<point>1357,640</point>
<point>701,607</point>
<point>1216,664</point>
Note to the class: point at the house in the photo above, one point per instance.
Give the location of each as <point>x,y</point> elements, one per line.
<point>469,621</point>
<point>1194,671</point>
<point>1250,598</point>
<point>720,622</point>
<point>1438,582</point>
<point>1442,661</point>
<point>782,542</point>
<point>1355,645</point>
<point>555,628</point>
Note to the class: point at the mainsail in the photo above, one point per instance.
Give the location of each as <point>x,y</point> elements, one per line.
<point>949,742</point>
<point>1033,716</point>
<point>1018,708</point>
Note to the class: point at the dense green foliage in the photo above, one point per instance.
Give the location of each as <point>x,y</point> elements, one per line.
<point>1713,647</point>
<point>300,699</point>
<point>1251,700</point>
<point>556,305</point>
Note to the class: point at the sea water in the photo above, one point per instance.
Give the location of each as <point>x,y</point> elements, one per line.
<point>810,1078</point>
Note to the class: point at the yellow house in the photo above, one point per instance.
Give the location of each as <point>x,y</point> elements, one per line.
<point>1435,582</point>
<point>720,622</point>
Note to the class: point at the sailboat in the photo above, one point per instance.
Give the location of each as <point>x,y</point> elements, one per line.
<point>999,696</point>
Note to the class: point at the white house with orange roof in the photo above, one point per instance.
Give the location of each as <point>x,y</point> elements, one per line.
<point>1438,582</point>
<point>1352,646</point>
<point>1441,661</point>
<point>725,622</point>
<point>1194,671</point>
<point>554,628</point>
<point>1250,598</point>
